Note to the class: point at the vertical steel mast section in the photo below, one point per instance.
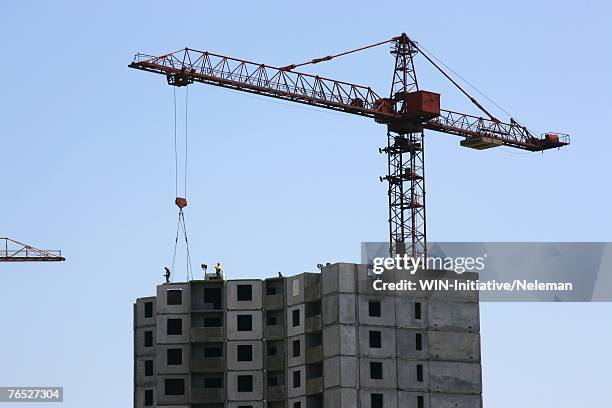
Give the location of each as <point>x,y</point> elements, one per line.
<point>405,154</point>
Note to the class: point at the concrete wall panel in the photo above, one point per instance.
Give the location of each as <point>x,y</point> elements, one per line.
<point>162,298</point>
<point>139,396</point>
<point>250,404</point>
<point>455,401</point>
<point>300,359</point>
<point>453,316</point>
<point>407,377</point>
<point>339,308</point>
<point>460,378</point>
<point>162,359</point>
<point>387,338</point>
<point>389,398</point>
<point>296,391</point>
<point>162,329</point>
<point>340,277</point>
<point>139,341</point>
<point>139,312</point>
<point>406,340</point>
<point>256,325</point>
<point>389,374</point>
<point>163,399</point>
<point>411,399</point>
<point>232,362</point>
<point>454,346</point>
<point>405,311</point>
<point>232,386</point>
<point>232,302</point>
<point>339,339</point>
<point>340,398</point>
<point>387,306</point>
<point>301,287</point>
<point>141,379</point>
<point>299,329</point>
<point>340,371</point>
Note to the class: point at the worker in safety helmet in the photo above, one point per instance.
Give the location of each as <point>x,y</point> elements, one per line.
<point>218,270</point>
<point>167,274</point>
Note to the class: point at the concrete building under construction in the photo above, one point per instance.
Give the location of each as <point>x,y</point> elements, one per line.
<point>308,341</point>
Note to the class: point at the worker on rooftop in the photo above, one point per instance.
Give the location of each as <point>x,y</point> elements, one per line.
<point>167,274</point>
<point>218,271</point>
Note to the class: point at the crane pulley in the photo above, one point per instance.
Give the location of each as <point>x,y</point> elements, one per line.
<point>407,112</point>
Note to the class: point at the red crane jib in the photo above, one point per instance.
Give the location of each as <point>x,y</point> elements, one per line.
<point>419,110</point>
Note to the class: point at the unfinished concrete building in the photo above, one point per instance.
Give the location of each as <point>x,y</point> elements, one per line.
<point>308,341</point>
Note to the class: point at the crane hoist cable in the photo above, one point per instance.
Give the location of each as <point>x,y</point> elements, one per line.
<point>181,201</point>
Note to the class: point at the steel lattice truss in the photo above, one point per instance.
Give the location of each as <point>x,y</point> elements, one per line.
<point>14,251</point>
<point>406,165</point>
<point>186,66</point>
<point>406,179</point>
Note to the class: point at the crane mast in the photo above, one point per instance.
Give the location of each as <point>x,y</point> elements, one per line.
<point>406,161</point>
<point>407,112</point>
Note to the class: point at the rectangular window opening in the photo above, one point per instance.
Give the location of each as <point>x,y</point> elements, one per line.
<point>148,400</point>
<point>419,369</point>
<point>376,372</point>
<point>420,401</point>
<point>174,297</point>
<point>296,348</point>
<point>375,339</point>
<point>245,352</point>
<point>295,317</point>
<point>419,341</point>
<point>213,298</point>
<point>148,368</point>
<point>245,383</point>
<point>417,310</point>
<point>244,293</point>
<point>244,322</point>
<point>148,339</point>
<point>297,379</point>
<point>148,310</point>
<point>174,356</point>
<point>374,308</point>
<point>376,400</point>
<point>174,386</point>
<point>174,327</point>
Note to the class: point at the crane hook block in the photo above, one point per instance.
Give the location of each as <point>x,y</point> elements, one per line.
<point>180,202</point>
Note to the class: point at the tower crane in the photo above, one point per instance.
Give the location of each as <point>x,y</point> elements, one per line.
<point>406,113</point>
<point>15,251</point>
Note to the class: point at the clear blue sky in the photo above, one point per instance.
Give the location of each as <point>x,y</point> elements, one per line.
<point>87,166</point>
